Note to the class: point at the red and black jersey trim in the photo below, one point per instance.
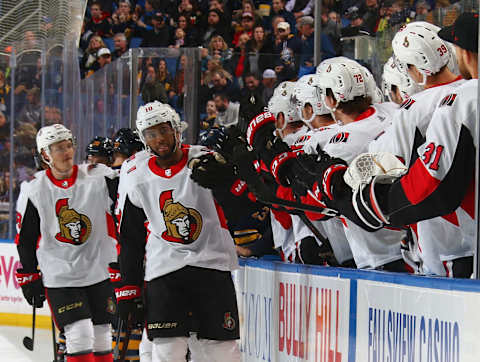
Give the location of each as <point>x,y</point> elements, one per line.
<point>340,137</point>
<point>418,196</point>
<point>407,103</point>
<point>448,100</point>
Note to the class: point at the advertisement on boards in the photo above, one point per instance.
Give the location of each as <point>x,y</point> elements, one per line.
<point>11,297</point>
<point>412,324</point>
<point>292,316</point>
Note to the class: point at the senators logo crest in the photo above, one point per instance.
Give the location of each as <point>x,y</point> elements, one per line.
<point>183,224</point>
<point>75,228</point>
<point>228,322</point>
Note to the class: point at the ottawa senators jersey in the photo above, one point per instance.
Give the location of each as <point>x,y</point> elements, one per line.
<point>353,138</point>
<point>318,138</point>
<point>284,236</point>
<point>441,180</point>
<point>410,122</point>
<point>291,138</point>
<point>66,226</point>
<point>370,250</point>
<point>170,220</point>
<point>402,138</point>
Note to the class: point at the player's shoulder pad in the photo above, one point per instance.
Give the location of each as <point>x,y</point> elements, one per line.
<point>33,181</point>
<point>97,170</point>
<point>130,165</point>
<point>25,186</point>
<point>386,110</point>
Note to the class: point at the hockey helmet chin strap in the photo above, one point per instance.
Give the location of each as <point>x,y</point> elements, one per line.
<point>309,121</point>
<point>47,152</point>
<point>280,130</point>
<point>331,109</point>
<point>424,77</point>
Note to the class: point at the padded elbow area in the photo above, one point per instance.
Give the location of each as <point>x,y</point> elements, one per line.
<point>102,338</point>
<point>79,336</point>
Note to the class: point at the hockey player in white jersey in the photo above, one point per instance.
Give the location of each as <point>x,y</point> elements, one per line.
<point>345,93</point>
<point>65,240</point>
<point>289,128</point>
<point>440,180</point>
<point>396,85</point>
<point>421,51</point>
<point>288,123</point>
<point>312,112</point>
<point>178,229</point>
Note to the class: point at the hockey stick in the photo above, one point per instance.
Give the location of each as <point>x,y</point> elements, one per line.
<point>27,341</point>
<point>116,350</point>
<point>54,340</point>
<point>263,194</point>
<point>126,340</point>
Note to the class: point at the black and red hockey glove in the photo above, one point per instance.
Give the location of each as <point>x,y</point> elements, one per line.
<point>261,137</point>
<point>130,304</point>
<point>115,276</point>
<point>32,286</point>
<point>212,171</point>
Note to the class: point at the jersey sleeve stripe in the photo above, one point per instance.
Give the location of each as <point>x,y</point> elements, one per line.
<point>418,184</point>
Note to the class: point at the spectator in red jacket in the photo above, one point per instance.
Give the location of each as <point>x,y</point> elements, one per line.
<point>98,24</point>
<point>248,22</point>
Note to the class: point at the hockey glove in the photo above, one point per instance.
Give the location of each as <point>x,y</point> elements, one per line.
<point>115,276</point>
<point>130,304</point>
<point>293,169</point>
<point>225,144</point>
<point>32,287</point>
<point>328,172</point>
<point>261,137</point>
<point>212,171</point>
<point>244,161</point>
<point>309,252</point>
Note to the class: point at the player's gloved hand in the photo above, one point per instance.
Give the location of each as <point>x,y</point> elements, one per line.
<point>212,171</point>
<point>291,169</point>
<point>244,161</point>
<point>261,137</point>
<point>114,272</point>
<point>225,144</point>
<point>32,286</point>
<point>309,252</point>
<point>328,172</point>
<point>130,304</point>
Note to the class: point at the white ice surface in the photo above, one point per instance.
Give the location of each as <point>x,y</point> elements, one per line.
<point>12,349</point>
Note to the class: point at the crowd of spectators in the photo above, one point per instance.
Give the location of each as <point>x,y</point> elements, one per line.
<point>247,46</point>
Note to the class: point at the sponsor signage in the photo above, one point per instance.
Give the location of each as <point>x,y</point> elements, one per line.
<point>11,297</point>
<point>413,324</point>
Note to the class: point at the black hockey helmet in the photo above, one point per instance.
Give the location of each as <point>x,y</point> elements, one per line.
<point>127,142</point>
<point>100,146</point>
